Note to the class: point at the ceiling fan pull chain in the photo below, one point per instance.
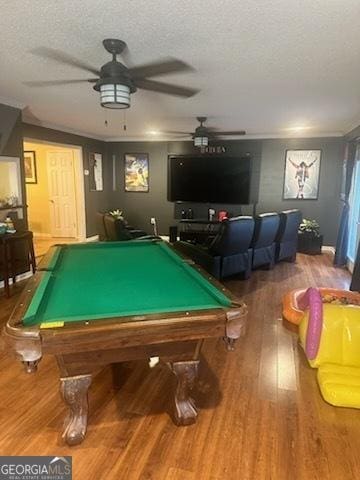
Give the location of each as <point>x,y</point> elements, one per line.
<point>124,127</point>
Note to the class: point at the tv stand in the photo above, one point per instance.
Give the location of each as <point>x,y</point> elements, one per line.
<point>198,230</point>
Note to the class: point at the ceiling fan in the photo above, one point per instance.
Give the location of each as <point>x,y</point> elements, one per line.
<point>203,134</point>
<point>115,81</point>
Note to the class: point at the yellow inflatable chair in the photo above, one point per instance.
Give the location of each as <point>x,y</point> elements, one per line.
<point>330,336</point>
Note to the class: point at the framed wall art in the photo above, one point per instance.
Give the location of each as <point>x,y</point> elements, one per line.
<point>136,172</point>
<point>302,174</point>
<point>95,172</point>
<point>30,167</point>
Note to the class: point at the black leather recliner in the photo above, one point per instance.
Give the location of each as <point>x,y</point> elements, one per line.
<point>229,253</point>
<point>287,236</point>
<point>101,226</point>
<point>111,229</point>
<point>263,244</point>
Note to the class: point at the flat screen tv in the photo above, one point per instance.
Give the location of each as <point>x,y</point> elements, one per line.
<point>209,179</point>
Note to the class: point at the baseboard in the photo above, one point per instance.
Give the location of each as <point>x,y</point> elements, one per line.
<point>22,276</point>
<point>94,238</point>
<point>42,235</point>
<point>328,248</point>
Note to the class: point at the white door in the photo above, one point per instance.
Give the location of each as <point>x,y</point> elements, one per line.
<point>62,197</point>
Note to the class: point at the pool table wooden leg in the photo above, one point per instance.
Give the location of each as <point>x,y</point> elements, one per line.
<point>186,373</point>
<point>74,391</point>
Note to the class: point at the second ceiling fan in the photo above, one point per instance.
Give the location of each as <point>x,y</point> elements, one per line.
<point>203,134</point>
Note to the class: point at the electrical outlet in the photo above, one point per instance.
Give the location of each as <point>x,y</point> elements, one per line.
<point>152,220</point>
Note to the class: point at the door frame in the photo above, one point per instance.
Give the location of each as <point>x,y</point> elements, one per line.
<point>79,183</point>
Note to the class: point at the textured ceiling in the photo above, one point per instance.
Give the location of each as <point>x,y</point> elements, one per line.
<point>262,65</point>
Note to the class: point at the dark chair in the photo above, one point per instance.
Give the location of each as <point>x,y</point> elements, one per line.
<point>230,252</point>
<point>111,228</point>
<point>101,226</point>
<point>16,256</point>
<point>287,236</point>
<point>263,244</point>
<point>117,230</point>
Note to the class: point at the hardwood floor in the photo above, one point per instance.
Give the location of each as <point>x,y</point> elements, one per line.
<point>261,413</point>
<point>42,245</point>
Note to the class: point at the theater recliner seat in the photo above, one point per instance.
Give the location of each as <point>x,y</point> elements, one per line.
<point>263,244</point>
<point>230,252</point>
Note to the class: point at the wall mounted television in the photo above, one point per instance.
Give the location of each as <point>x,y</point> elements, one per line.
<point>209,179</point>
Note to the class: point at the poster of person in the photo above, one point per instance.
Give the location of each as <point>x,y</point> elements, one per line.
<point>30,167</point>
<point>95,172</point>
<point>302,173</point>
<point>136,172</point>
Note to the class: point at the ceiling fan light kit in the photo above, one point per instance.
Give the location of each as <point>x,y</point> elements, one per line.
<point>114,96</point>
<point>201,141</point>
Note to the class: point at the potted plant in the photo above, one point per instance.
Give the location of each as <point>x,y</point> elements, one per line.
<point>117,214</point>
<point>310,240</point>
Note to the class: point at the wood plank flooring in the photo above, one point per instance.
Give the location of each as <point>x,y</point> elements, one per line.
<point>261,413</point>
<point>42,244</point>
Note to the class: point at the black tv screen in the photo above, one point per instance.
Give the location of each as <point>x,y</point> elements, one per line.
<point>208,179</point>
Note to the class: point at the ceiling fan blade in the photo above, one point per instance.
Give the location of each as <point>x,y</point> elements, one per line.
<point>218,133</point>
<point>53,83</point>
<point>167,88</point>
<point>65,58</point>
<point>172,132</point>
<point>163,67</point>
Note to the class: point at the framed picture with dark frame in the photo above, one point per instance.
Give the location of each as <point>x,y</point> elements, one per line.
<point>136,172</point>
<point>30,166</point>
<point>95,172</point>
<point>302,174</point>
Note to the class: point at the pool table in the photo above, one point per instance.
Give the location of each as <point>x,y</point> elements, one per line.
<point>96,304</point>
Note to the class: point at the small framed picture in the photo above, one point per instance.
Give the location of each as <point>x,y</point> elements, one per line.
<point>95,172</point>
<point>30,167</point>
<point>136,172</point>
<point>302,174</point>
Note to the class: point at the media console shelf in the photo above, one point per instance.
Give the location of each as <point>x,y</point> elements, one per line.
<point>200,221</point>
<point>198,229</point>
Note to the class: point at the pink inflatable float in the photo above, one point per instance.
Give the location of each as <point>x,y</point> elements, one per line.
<point>312,300</point>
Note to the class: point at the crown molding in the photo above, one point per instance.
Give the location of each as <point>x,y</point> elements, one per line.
<point>354,125</point>
<point>60,128</point>
<point>11,102</point>
<point>259,136</point>
<point>174,138</point>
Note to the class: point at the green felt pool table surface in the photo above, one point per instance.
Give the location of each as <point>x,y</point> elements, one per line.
<point>96,281</point>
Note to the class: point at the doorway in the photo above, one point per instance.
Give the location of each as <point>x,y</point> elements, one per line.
<point>354,214</point>
<point>55,194</point>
